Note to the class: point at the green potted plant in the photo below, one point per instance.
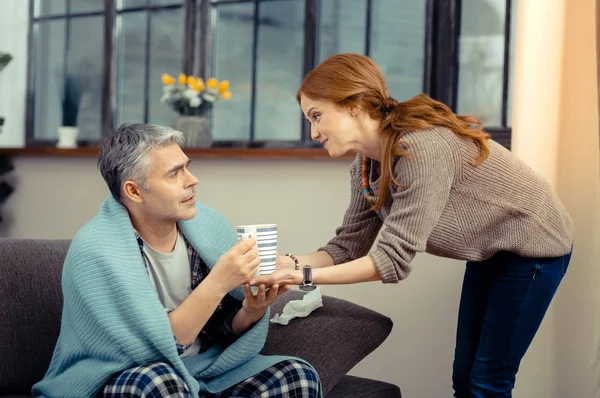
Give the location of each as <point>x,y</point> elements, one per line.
<point>71,99</point>
<point>4,60</point>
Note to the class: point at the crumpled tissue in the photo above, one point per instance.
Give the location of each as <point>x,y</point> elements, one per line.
<point>299,308</point>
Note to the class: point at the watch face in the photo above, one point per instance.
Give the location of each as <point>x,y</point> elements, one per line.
<point>307,288</point>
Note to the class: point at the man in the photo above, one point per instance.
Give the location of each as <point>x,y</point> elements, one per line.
<point>153,298</point>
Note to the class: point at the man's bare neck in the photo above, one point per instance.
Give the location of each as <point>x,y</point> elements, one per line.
<point>160,236</point>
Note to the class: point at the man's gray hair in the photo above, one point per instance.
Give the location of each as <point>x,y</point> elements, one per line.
<point>125,154</point>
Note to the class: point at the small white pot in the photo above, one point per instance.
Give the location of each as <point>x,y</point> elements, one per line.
<point>67,137</point>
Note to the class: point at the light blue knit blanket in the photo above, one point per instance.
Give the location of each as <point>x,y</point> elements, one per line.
<point>113,320</point>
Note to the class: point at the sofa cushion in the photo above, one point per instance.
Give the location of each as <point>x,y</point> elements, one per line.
<point>16,396</point>
<point>346,331</point>
<point>30,310</point>
<point>355,387</point>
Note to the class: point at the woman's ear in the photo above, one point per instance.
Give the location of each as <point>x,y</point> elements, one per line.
<point>354,110</point>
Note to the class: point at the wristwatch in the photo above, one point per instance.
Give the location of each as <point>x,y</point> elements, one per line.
<point>307,283</point>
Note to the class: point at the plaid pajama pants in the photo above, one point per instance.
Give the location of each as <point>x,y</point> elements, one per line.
<point>288,378</point>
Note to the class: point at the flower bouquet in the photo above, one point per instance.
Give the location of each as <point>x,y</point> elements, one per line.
<point>190,96</point>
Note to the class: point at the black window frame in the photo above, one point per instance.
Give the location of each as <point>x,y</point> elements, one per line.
<point>441,63</point>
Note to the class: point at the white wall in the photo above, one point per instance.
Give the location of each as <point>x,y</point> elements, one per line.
<point>535,138</point>
<point>578,177</point>
<point>556,131</point>
<point>56,196</point>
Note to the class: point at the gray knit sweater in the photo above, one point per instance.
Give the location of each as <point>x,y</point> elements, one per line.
<point>451,209</point>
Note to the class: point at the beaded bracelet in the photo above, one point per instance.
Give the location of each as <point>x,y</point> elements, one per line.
<point>296,261</point>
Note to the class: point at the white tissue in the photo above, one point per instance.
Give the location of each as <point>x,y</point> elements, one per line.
<point>300,308</point>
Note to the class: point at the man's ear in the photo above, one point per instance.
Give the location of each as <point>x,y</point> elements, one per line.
<point>132,191</point>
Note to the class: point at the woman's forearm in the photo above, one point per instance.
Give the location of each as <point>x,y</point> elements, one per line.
<point>356,271</point>
<point>320,259</point>
<point>360,270</point>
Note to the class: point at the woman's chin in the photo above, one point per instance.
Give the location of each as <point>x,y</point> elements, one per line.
<point>336,153</point>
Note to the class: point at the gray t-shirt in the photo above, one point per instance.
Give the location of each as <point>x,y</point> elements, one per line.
<point>170,274</point>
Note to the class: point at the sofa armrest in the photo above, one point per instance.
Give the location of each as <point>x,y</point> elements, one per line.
<point>333,338</point>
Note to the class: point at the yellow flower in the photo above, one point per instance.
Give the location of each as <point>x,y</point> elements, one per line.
<point>199,84</point>
<point>212,82</point>
<point>167,79</point>
<point>182,78</point>
<point>191,81</point>
<point>223,86</point>
<point>226,95</point>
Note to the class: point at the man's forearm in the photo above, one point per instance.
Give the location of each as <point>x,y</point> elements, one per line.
<point>190,317</point>
<point>244,320</point>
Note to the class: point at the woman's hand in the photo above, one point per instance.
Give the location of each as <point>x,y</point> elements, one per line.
<point>284,261</point>
<point>282,276</point>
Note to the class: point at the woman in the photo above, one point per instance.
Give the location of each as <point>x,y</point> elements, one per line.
<point>427,180</point>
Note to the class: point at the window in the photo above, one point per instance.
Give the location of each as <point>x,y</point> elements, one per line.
<point>67,53</point>
<point>459,52</point>
<point>258,46</point>
<point>148,43</point>
<point>395,40</point>
<point>487,46</point>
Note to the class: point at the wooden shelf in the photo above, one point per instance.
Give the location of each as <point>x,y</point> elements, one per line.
<point>235,153</point>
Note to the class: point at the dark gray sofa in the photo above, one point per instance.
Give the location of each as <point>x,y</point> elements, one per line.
<point>333,338</point>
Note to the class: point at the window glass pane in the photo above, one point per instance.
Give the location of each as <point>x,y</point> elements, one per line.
<point>342,25</point>
<point>398,44</point>
<point>481,60</point>
<point>166,36</point>
<point>49,7</point>
<point>513,53</point>
<point>131,3</point>
<point>232,60</point>
<point>48,75</point>
<point>131,65</point>
<point>84,67</point>
<point>86,6</point>
<point>280,56</point>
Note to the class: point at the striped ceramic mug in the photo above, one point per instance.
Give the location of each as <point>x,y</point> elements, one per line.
<point>266,244</point>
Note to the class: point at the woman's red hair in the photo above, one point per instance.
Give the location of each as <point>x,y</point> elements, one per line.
<point>351,80</point>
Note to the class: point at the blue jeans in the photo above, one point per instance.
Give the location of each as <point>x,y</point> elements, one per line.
<point>503,302</point>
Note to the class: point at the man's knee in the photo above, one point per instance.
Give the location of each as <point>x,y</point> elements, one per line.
<point>153,380</point>
<point>302,379</point>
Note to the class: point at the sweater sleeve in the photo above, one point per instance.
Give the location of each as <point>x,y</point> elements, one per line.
<point>426,178</point>
<point>360,225</point>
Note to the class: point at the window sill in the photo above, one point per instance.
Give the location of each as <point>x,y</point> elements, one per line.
<point>216,153</point>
